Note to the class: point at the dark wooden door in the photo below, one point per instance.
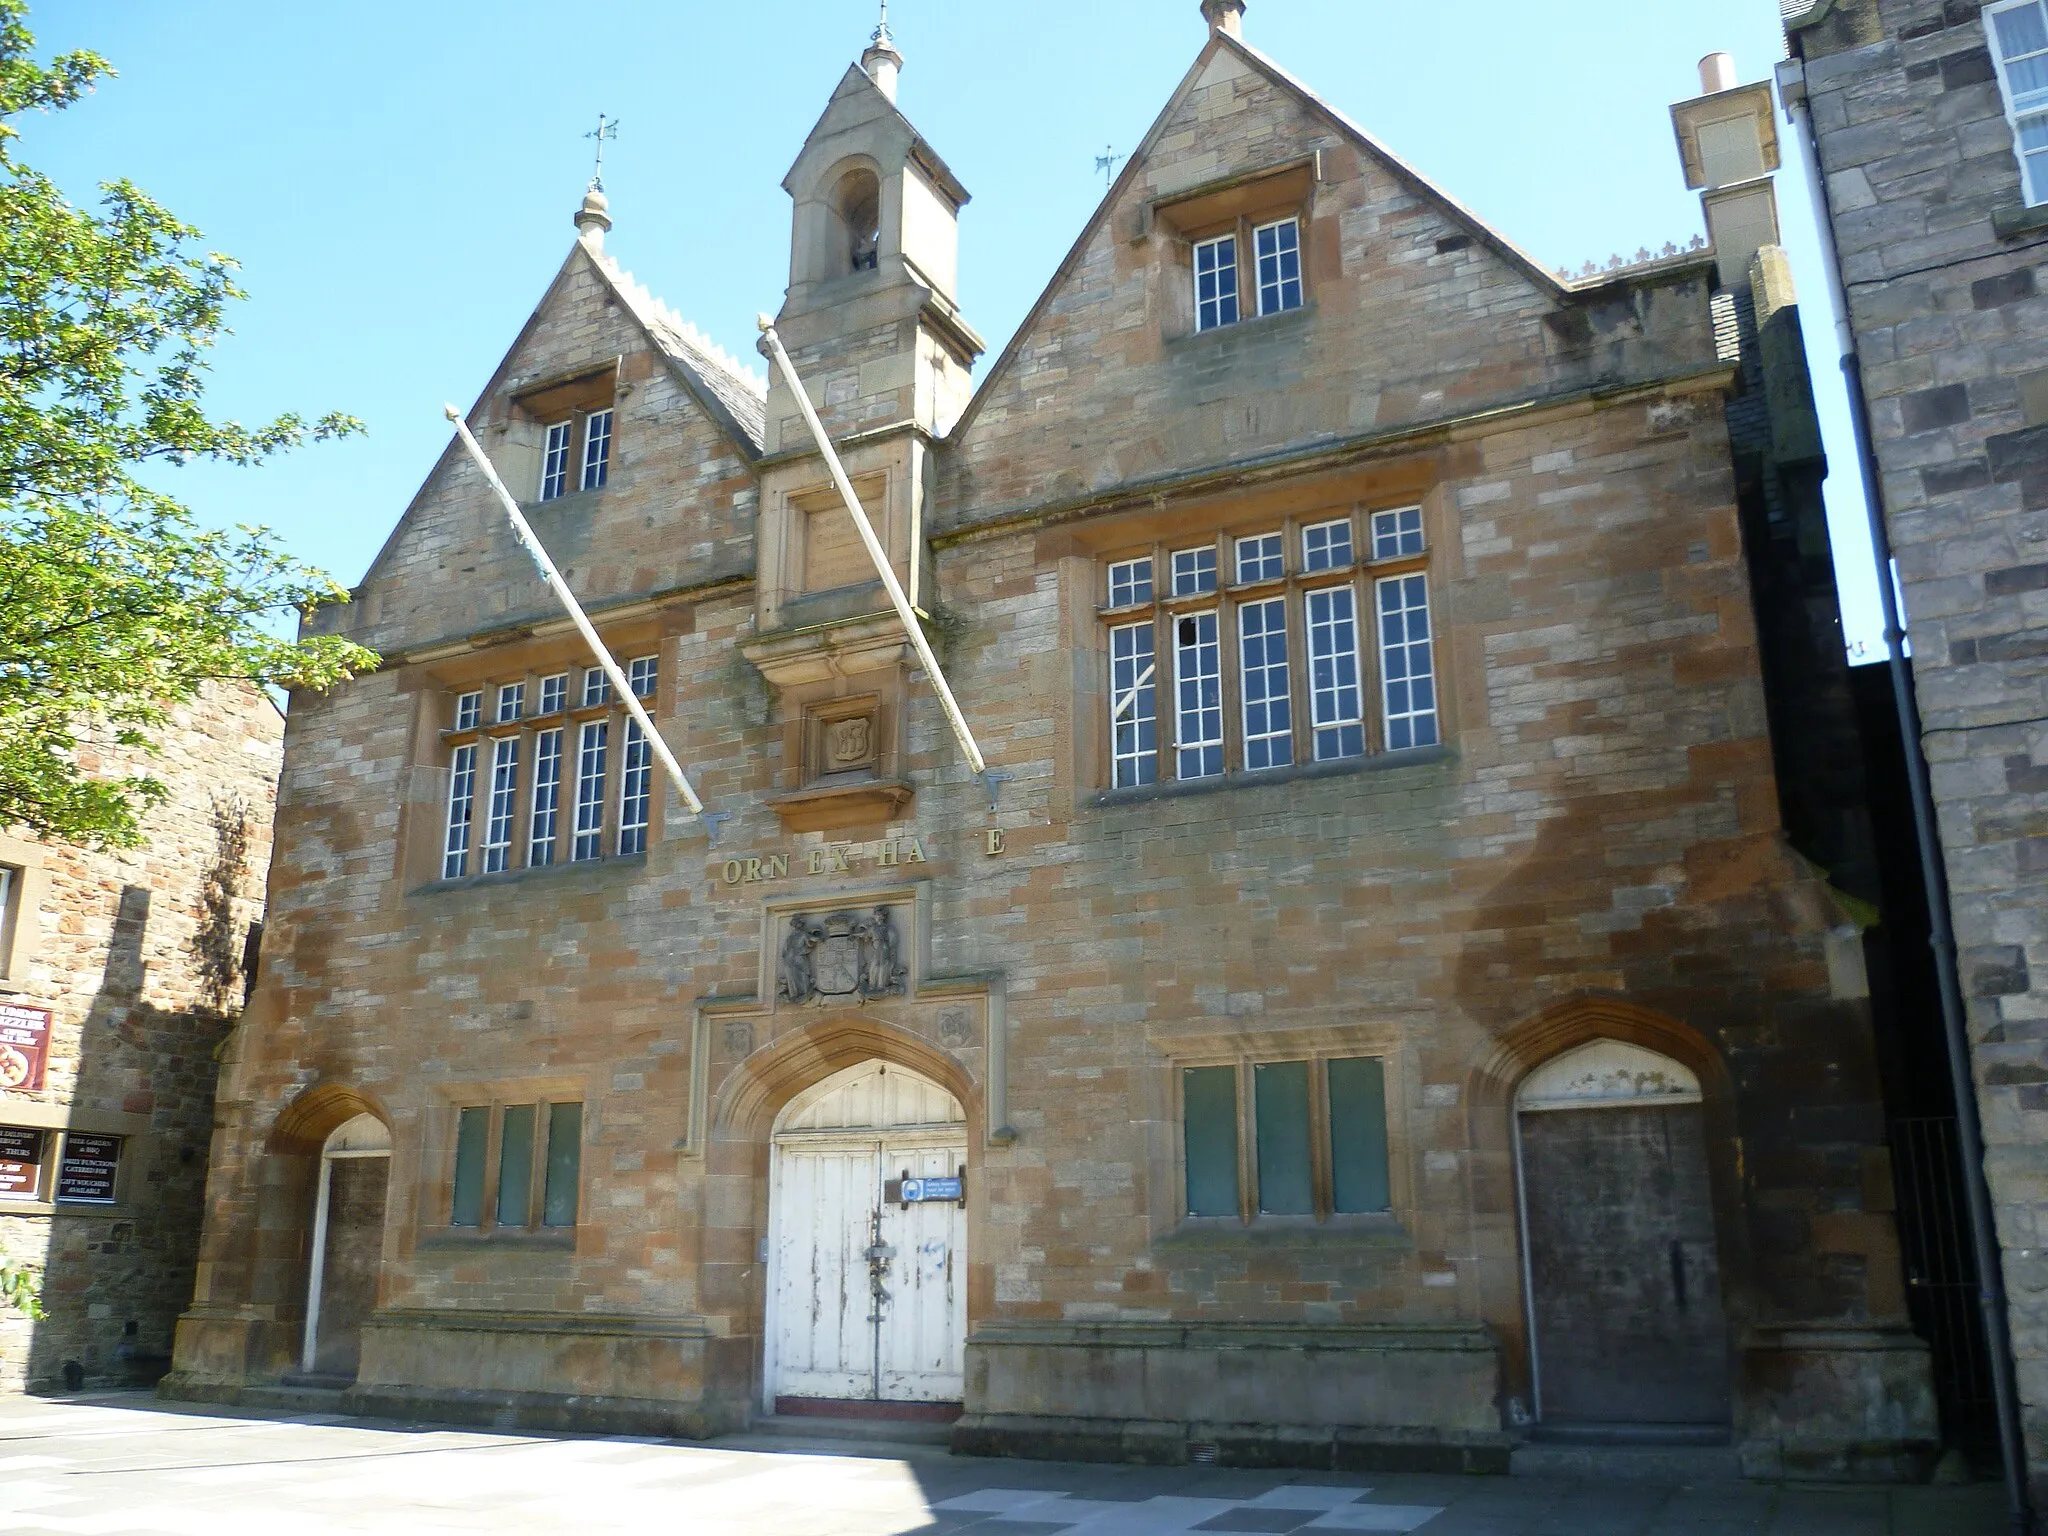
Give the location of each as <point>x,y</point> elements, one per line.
<point>1626,1288</point>
<point>355,1251</point>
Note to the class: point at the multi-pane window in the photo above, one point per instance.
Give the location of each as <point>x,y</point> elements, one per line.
<point>1285,1138</point>
<point>461,811</point>
<point>530,787</point>
<point>1278,248</point>
<point>1134,705</point>
<point>592,742</point>
<point>1395,534</point>
<point>1326,546</point>
<point>1297,626</point>
<point>538,1169</point>
<point>554,460</point>
<point>597,449</point>
<point>1198,696</point>
<point>1130,581</point>
<point>636,784</point>
<point>1335,700</point>
<point>1194,571</point>
<point>2019,36</point>
<point>1406,668</point>
<point>504,805</point>
<point>1216,282</point>
<point>1263,557</point>
<point>642,672</point>
<point>1268,722</point>
<point>544,824</point>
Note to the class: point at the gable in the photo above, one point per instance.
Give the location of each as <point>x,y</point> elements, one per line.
<point>1415,311</point>
<point>677,509</point>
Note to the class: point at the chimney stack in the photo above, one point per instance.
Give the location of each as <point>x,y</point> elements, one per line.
<point>1225,16</point>
<point>1728,144</point>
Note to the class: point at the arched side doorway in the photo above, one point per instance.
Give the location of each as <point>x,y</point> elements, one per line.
<point>867,1291</point>
<point>1620,1262</point>
<point>348,1245</point>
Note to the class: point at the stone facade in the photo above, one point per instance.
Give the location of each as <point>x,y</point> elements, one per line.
<point>139,956</point>
<point>1939,256</point>
<point>1592,849</point>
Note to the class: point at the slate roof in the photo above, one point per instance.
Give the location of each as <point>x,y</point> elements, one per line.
<point>726,386</point>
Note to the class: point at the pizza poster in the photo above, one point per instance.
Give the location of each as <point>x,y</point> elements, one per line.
<point>21,1162</point>
<point>24,1047</point>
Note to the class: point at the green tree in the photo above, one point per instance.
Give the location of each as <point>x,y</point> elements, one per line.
<point>116,605</point>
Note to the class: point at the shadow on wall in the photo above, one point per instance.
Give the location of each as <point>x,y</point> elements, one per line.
<point>117,1276</point>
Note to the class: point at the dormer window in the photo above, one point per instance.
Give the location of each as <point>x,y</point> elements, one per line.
<point>1239,246</point>
<point>559,438</point>
<point>1216,282</point>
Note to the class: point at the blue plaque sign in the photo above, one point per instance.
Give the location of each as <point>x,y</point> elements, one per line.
<point>920,1191</point>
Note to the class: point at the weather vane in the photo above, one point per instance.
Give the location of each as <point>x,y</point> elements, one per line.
<point>881,36</point>
<point>607,128</point>
<point>1106,162</point>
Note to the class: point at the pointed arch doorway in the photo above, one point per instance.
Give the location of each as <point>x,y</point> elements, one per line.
<point>1621,1270</point>
<point>348,1246</point>
<point>867,1294</point>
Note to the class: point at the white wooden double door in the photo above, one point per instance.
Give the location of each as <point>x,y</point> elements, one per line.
<point>868,1296</point>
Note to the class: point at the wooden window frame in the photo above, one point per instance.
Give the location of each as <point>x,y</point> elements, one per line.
<point>487,1224</point>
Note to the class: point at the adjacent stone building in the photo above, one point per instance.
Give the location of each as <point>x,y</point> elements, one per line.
<point>121,975</point>
<point>1375,1005</point>
<point>1928,116</point>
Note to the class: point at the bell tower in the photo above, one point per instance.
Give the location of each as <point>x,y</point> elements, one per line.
<point>872,323</point>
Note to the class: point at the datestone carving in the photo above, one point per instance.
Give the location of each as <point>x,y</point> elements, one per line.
<point>846,957</point>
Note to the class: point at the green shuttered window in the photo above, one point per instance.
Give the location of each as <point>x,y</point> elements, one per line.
<point>540,1150</point>
<point>1286,1182</point>
<point>1210,1095</point>
<point>1316,1132</point>
<point>472,1137</point>
<point>1358,1135</point>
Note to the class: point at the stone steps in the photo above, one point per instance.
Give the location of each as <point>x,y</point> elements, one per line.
<point>1627,1463</point>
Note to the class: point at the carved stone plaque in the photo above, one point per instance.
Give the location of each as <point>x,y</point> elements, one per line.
<point>841,957</point>
<point>953,1027</point>
<point>739,1038</point>
<point>849,743</point>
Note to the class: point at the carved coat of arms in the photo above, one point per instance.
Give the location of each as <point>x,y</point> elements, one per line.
<point>846,957</point>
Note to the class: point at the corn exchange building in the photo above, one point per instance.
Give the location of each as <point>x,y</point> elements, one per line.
<point>1401,986</point>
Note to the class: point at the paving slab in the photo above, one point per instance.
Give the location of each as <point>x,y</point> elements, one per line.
<point>126,1465</point>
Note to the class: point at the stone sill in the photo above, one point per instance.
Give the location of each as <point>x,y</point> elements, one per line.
<point>611,861</point>
<point>828,807</point>
<point>2016,219</point>
<point>1411,757</point>
<point>556,1240</point>
<point>1227,1233</point>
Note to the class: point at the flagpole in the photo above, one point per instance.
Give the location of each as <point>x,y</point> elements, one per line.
<point>530,542</point>
<point>882,566</point>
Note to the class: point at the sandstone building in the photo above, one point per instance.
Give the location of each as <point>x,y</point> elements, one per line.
<point>120,975</point>
<point>1399,992</point>
<point>1927,120</point>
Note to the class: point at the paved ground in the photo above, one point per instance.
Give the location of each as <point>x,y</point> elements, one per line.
<point>120,1464</point>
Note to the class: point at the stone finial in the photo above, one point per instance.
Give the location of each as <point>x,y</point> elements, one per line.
<point>882,61</point>
<point>1226,16</point>
<point>592,219</point>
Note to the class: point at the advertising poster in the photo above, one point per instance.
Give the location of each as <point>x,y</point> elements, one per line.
<point>21,1162</point>
<point>24,1047</point>
<point>86,1175</point>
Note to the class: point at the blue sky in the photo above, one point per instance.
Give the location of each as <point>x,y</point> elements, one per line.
<point>397,180</point>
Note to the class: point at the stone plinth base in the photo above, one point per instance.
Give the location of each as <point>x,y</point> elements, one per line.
<point>1367,1397</point>
<point>1837,1404</point>
<point>226,1349</point>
